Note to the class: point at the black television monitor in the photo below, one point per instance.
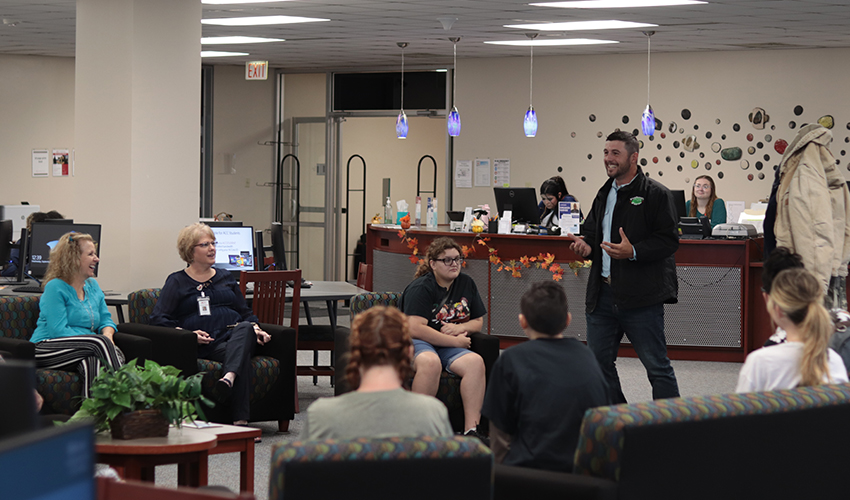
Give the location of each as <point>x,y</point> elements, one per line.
<point>223,223</point>
<point>679,202</point>
<point>53,463</point>
<point>6,227</point>
<point>278,247</point>
<point>234,249</point>
<point>45,236</point>
<point>522,202</point>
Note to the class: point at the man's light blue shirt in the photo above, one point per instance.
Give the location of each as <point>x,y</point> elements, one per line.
<point>606,226</point>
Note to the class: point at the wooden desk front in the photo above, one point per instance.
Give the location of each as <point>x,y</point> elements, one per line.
<point>716,317</point>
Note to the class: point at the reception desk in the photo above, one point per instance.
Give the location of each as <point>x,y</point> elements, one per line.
<point>719,317</point>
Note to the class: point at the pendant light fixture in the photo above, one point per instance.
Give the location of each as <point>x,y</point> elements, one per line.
<point>453,120</point>
<point>401,121</point>
<point>647,119</point>
<point>529,124</point>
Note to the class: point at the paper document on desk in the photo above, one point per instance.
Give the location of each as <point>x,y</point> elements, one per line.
<point>198,424</point>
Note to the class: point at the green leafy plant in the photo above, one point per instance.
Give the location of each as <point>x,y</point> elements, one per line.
<point>152,387</point>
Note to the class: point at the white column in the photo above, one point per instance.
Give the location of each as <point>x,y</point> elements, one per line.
<point>137,128</point>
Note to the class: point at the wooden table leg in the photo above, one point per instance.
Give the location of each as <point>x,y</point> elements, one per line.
<point>246,467</point>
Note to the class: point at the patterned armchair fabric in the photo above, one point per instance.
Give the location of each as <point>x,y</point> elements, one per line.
<point>399,467</point>
<point>61,389</point>
<point>449,389</point>
<point>272,397</point>
<point>603,440</point>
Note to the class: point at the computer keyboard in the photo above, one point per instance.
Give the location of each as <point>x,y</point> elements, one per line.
<point>28,289</point>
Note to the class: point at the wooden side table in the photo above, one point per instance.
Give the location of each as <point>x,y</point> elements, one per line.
<point>137,458</point>
<point>232,439</point>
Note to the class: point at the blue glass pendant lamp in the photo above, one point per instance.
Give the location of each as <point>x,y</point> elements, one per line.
<point>647,119</point>
<point>529,122</point>
<point>401,122</point>
<point>453,120</point>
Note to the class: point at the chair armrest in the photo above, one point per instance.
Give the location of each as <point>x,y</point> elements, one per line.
<point>522,482</point>
<point>281,346</point>
<point>17,348</point>
<point>134,347</point>
<point>487,346</point>
<point>170,346</point>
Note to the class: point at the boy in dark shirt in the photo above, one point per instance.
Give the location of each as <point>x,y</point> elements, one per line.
<point>539,390</point>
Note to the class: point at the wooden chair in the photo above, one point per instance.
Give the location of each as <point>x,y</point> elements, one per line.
<point>109,489</point>
<point>364,276</point>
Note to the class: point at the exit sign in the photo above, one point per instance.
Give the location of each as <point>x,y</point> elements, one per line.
<point>257,70</point>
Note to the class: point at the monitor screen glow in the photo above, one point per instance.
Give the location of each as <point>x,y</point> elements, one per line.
<point>45,236</point>
<point>234,249</point>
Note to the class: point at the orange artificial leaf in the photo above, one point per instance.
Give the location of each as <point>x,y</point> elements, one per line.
<point>495,259</point>
<point>500,269</point>
<point>482,241</point>
<point>549,258</point>
<point>557,276</point>
<point>413,241</point>
<point>533,259</point>
<point>415,251</point>
<point>515,273</point>
<point>466,250</point>
<point>414,259</point>
<point>556,268</point>
<point>421,261</point>
<point>401,234</point>
<point>544,265</point>
<point>524,260</point>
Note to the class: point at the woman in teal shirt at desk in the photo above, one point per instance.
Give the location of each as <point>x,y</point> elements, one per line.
<point>74,328</point>
<point>705,203</point>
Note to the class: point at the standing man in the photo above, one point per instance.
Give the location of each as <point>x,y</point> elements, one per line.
<point>630,235</point>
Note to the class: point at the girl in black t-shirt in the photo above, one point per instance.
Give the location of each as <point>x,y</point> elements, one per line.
<point>444,306</point>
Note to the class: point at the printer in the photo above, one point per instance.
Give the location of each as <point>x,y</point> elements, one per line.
<point>734,231</point>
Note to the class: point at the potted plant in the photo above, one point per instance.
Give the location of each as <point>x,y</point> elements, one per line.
<point>136,401</point>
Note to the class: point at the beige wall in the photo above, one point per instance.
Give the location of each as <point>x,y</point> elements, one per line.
<point>243,116</point>
<point>37,99</point>
<point>723,86</point>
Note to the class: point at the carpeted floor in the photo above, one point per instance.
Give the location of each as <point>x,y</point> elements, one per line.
<point>695,378</point>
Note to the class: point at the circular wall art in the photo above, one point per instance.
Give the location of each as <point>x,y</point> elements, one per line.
<point>560,169</point>
<point>652,137</point>
<point>723,137</point>
<point>681,154</point>
<point>668,158</point>
<point>715,146</point>
<point>583,178</point>
<point>654,159</point>
<point>768,138</point>
<point>589,156</point>
<point>696,127</point>
<point>798,110</point>
<point>780,146</point>
<point>592,118</point>
<point>573,135</point>
<point>717,121</point>
<point>708,135</point>
<point>658,146</point>
<point>792,124</point>
<point>719,175</point>
<point>736,127</point>
<point>635,132</point>
<point>708,165</point>
<point>690,143</point>
<point>686,114</point>
<point>759,165</point>
<point>599,135</point>
<point>751,150</point>
<point>643,162</point>
<point>660,173</point>
<point>761,175</point>
<point>694,164</point>
<point>749,177</point>
<point>759,144</point>
<point>687,180</point>
<point>766,157</point>
<point>750,137</point>
<point>663,136</point>
<point>826,121</point>
<point>625,119</point>
<point>745,164</point>
<point>676,143</point>
<point>671,127</point>
<point>679,168</point>
<point>682,130</point>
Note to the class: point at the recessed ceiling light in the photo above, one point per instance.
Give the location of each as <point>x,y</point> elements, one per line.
<point>261,20</point>
<point>225,2</point>
<point>224,40</point>
<point>218,53</point>
<point>581,25</point>
<point>553,42</point>
<point>615,4</point>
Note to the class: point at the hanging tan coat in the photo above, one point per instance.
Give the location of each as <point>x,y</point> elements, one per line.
<point>813,205</point>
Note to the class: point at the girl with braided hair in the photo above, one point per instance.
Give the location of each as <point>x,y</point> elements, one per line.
<point>379,365</point>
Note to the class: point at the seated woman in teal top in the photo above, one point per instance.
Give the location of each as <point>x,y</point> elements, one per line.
<point>74,328</point>
<point>705,203</point>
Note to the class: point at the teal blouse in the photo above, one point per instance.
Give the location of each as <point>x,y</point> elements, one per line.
<point>63,314</point>
<point>718,211</point>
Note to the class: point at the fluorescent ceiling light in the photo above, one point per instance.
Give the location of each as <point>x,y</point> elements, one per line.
<point>581,25</point>
<point>218,53</point>
<point>261,20</point>
<point>615,4</point>
<point>225,40</point>
<point>226,2</point>
<point>441,70</point>
<point>552,42</point>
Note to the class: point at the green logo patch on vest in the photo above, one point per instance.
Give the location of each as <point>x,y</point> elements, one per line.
<point>637,200</point>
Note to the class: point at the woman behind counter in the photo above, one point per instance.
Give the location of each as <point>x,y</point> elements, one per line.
<point>209,302</point>
<point>552,191</point>
<point>705,203</point>
<point>74,326</point>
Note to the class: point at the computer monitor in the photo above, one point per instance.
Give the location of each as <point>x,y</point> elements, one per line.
<point>49,464</point>
<point>278,247</point>
<point>694,228</point>
<point>6,227</point>
<point>679,202</point>
<point>23,257</point>
<point>44,238</point>
<point>522,202</point>
<point>259,251</point>
<point>234,250</point>
<point>223,223</point>
<point>58,221</point>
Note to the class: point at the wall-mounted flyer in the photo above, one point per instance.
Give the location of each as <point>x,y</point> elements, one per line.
<point>502,172</point>
<point>40,163</point>
<point>61,162</point>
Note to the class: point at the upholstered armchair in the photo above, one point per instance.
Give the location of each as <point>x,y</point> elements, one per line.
<point>449,391</point>
<point>273,382</point>
<point>382,468</point>
<point>61,389</point>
